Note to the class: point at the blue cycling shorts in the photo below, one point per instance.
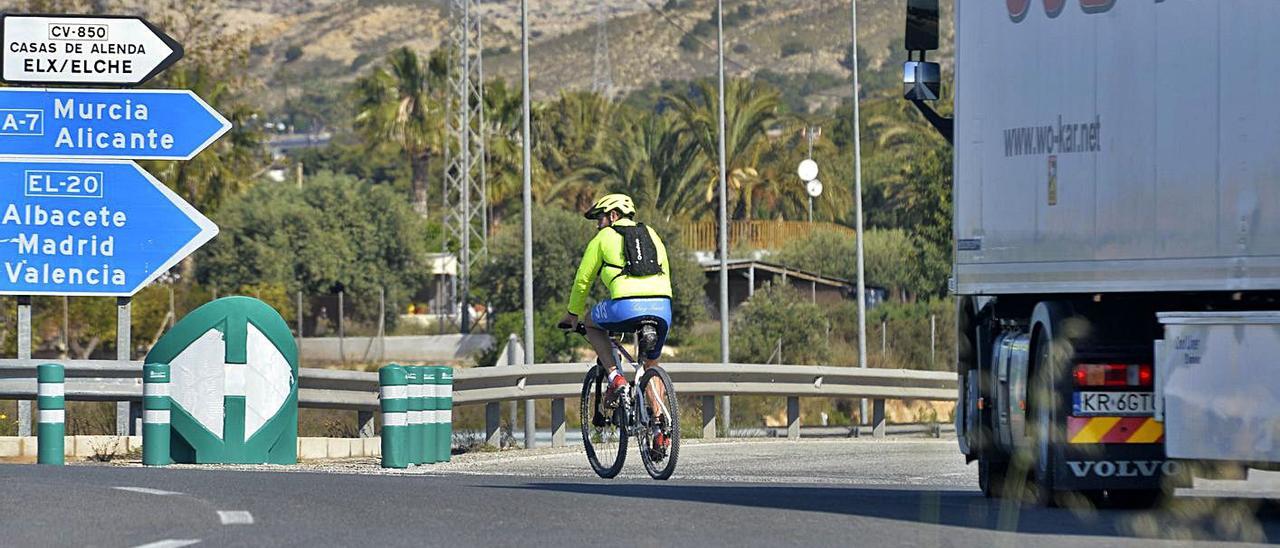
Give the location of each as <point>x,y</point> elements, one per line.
<point>625,315</point>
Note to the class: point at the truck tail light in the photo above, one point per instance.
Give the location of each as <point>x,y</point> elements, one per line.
<point>1113,375</point>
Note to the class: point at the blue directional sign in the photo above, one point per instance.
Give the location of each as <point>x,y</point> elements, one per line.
<point>95,227</point>
<point>129,125</point>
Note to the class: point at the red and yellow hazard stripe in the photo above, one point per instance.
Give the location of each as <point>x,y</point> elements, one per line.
<point>1114,430</point>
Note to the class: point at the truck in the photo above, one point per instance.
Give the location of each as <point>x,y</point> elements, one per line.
<point>1116,238</point>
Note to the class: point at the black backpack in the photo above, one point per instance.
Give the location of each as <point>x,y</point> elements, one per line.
<point>639,250</point>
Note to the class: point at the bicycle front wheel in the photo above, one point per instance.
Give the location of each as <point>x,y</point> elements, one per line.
<point>659,439</point>
<point>602,435</point>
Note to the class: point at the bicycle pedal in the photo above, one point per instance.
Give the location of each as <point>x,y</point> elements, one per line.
<point>656,455</point>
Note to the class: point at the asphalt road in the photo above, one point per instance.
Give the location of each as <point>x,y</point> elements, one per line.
<point>846,493</point>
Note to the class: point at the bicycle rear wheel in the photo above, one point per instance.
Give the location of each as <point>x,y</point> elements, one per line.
<point>602,435</point>
<point>659,459</point>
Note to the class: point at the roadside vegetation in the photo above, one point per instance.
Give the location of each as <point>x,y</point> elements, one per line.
<point>367,207</point>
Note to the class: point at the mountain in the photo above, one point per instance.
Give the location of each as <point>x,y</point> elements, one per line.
<point>317,44</point>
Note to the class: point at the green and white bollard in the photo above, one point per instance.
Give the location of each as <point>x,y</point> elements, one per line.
<point>52,416</point>
<point>395,421</point>
<point>431,437</point>
<point>155,414</point>
<point>424,389</point>
<point>444,413</point>
<point>413,374</point>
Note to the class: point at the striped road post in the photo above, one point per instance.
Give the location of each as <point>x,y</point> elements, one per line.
<point>424,416</point>
<point>155,414</point>
<point>413,374</point>
<point>444,413</point>
<point>430,443</point>
<point>394,396</point>
<point>52,416</point>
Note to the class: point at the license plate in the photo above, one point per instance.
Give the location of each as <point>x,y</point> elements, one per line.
<point>1086,404</point>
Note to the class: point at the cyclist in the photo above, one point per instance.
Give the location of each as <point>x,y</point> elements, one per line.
<point>631,261</point>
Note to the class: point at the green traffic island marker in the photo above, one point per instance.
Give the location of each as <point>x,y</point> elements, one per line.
<point>413,376</point>
<point>394,399</point>
<point>424,416</point>
<point>432,426</point>
<point>52,415</point>
<point>444,413</point>
<point>240,352</point>
<point>155,415</point>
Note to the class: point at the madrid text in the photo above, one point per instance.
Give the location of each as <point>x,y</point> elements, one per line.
<point>36,252</point>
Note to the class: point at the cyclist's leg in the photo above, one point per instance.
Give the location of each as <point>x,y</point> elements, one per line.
<point>659,311</point>
<point>599,339</point>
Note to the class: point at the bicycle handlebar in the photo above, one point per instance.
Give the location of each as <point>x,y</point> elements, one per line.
<point>580,328</point>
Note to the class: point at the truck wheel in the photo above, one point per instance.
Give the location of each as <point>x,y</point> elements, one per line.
<point>1045,447</point>
<point>991,477</point>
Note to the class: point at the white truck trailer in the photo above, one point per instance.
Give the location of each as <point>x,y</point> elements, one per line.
<point>1117,236</point>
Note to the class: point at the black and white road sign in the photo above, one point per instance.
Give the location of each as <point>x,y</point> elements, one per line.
<point>86,50</point>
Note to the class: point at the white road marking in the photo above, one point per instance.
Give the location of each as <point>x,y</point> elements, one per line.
<point>170,543</point>
<point>235,517</point>
<point>147,491</point>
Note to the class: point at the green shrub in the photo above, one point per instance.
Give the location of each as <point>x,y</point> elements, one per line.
<point>336,234</point>
<point>774,315</point>
<point>893,259</point>
<point>551,345</point>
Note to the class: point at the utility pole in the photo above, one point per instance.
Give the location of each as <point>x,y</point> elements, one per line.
<point>857,185</point>
<point>526,145</point>
<point>724,215</point>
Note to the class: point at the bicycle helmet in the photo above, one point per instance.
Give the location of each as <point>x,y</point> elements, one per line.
<point>620,202</point>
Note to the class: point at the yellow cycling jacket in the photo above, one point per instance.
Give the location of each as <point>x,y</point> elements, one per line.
<point>604,256</point>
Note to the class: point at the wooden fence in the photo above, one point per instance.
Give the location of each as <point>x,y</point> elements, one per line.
<point>701,236</point>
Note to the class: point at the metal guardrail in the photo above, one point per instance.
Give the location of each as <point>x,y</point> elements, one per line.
<point>93,380</point>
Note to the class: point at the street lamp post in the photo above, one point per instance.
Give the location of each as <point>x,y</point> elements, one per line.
<point>724,207</point>
<point>527,214</point>
<point>857,185</point>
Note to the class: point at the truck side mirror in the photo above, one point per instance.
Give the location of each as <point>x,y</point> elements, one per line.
<point>922,25</point>
<point>921,81</point>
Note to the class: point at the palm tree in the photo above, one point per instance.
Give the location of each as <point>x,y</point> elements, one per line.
<point>231,163</point>
<point>569,136</point>
<point>750,110</point>
<point>505,169</point>
<point>395,103</point>
<point>650,160</point>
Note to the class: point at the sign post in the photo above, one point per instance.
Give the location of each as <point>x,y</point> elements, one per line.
<point>73,49</point>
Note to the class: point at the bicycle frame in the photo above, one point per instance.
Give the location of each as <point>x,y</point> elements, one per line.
<point>641,415</point>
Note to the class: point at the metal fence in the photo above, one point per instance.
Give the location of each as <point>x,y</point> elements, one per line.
<point>702,235</point>
<point>358,391</point>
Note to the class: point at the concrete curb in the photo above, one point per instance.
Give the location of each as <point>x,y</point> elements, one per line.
<point>83,447</point>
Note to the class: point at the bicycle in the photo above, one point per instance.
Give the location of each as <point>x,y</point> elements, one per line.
<point>605,430</point>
